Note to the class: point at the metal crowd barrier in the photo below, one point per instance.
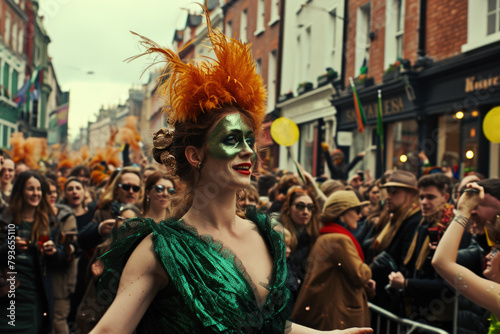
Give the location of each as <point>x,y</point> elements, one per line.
<point>401,325</point>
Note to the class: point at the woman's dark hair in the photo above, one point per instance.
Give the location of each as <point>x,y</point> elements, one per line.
<point>51,182</point>
<point>312,228</point>
<point>195,133</point>
<point>491,186</point>
<point>17,205</point>
<point>366,193</point>
<point>286,182</point>
<point>150,182</point>
<point>77,170</point>
<point>265,183</point>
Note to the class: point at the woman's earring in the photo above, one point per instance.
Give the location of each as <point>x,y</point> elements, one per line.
<point>147,200</point>
<point>199,165</point>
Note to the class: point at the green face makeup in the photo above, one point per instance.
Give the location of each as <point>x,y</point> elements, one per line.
<point>229,137</point>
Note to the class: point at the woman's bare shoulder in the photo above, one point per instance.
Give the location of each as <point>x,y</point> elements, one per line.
<point>144,262</point>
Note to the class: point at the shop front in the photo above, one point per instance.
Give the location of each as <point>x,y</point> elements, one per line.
<point>456,97</point>
<point>400,146</point>
<point>443,120</point>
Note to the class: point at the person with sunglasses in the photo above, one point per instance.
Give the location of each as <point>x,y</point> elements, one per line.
<point>126,188</point>
<point>300,215</point>
<point>334,292</point>
<point>157,202</point>
<point>206,269</point>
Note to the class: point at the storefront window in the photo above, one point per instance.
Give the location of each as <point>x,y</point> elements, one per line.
<point>458,142</point>
<point>471,145</point>
<point>402,146</point>
<point>308,146</point>
<point>449,141</point>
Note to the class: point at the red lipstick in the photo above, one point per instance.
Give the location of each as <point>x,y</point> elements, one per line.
<point>243,168</point>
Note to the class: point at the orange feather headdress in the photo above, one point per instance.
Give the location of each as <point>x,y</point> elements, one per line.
<point>229,79</point>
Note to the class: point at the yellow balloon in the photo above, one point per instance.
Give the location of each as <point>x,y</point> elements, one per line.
<point>284,131</point>
<point>491,125</point>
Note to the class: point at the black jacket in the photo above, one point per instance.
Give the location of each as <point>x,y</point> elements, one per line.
<point>45,265</point>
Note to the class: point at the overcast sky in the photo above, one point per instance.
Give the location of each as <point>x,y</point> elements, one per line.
<point>93,36</point>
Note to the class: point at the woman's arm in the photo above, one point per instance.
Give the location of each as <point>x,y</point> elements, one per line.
<point>320,196</point>
<point>142,278</point>
<point>480,291</point>
<point>298,329</point>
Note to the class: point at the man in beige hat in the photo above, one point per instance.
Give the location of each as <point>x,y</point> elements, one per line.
<point>400,222</point>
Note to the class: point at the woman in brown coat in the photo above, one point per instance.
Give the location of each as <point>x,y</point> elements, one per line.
<point>334,293</point>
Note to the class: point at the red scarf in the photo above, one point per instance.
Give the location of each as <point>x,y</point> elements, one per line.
<point>336,228</point>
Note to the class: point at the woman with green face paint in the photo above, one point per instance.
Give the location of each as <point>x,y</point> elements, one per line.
<point>206,269</point>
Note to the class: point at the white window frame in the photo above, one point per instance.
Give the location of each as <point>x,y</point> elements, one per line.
<point>275,12</point>
<point>392,11</point>
<point>271,81</point>
<point>400,28</point>
<point>362,42</point>
<point>7,28</point>
<point>259,27</point>
<point>229,29</point>
<point>496,13</point>
<point>333,38</point>
<point>20,41</point>
<point>258,66</point>
<point>244,26</point>
<point>14,37</point>
<point>477,26</point>
<point>307,51</point>
<point>298,62</point>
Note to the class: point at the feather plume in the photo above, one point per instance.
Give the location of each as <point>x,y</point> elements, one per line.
<point>129,133</point>
<point>30,150</point>
<point>17,142</point>
<point>230,79</point>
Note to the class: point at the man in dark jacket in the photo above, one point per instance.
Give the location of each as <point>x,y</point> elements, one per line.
<point>426,297</point>
<point>339,170</point>
<point>400,220</point>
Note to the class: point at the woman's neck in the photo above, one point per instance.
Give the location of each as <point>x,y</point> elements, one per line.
<point>28,214</point>
<point>156,214</point>
<point>54,208</point>
<point>6,187</point>
<point>211,211</point>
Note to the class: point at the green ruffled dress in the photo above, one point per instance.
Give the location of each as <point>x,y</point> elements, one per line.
<point>209,290</point>
<point>494,325</point>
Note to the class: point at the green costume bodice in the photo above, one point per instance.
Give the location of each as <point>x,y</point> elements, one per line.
<point>209,290</point>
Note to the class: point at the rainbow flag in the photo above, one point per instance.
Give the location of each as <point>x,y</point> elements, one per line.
<point>360,113</point>
<point>29,86</point>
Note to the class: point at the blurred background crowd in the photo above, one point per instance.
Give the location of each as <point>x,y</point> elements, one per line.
<point>350,239</point>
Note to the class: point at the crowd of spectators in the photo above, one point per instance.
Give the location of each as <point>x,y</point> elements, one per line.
<point>350,239</point>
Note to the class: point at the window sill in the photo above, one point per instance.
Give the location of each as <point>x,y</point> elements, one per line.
<point>273,21</point>
<point>479,42</point>
<point>259,32</point>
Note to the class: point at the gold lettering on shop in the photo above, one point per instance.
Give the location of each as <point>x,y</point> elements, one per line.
<point>389,107</point>
<point>472,83</point>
